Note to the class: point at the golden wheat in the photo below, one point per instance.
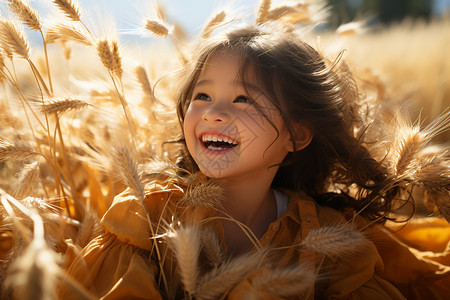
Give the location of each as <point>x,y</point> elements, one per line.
<point>68,32</point>
<point>186,244</point>
<point>124,166</point>
<point>209,194</point>
<point>213,254</point>
<point>288,282</point>
<point>12,36</point>
<point>69,8</point>
<point>212,24</point>
<point>217,282</point>
<point>263,9</point>
<point>336,241</point>
<point>89,228</point>
<point>157,28</point>
<point>60,105</point>
<point>116,60</point>
<point>18,150</point>
<point>143,80</point>
<point>27,181</point>
<point>26,13</point>
<point>105,54</point>
<point>280,11</point>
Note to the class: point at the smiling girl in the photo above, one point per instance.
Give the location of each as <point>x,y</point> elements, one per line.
<point>270,122</point>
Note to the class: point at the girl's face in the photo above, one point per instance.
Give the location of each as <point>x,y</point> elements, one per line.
<point>225,129</point>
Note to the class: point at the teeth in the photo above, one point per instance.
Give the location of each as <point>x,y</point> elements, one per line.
<point>215,138</point>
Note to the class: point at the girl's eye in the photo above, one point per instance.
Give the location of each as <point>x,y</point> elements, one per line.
<point>203,97</point>
<point>243,99</point>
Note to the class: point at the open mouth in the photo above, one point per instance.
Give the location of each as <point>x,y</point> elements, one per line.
<point>216,142</point>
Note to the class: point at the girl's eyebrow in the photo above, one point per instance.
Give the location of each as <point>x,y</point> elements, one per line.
<point>245,84</point>
<point>203,82</point>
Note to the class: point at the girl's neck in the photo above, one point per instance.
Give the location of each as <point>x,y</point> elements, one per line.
<point>252,203</point>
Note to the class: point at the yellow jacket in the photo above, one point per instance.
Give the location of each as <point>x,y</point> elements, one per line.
<point>123,262</point>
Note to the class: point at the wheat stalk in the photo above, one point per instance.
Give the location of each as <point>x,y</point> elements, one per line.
<point>19,150</point>
<point>157,28</point>
<point>12,36</point>
<point>27,181</point>
<point>212,24</point>
<point>61,105</point>
<point>66,32</point>
<point>217,282</point>
<point>143,80</point>
<point>2,66</point>
<point>288,282</point>
<point>186,244</point>
<point>263,10</point>
<point>26,13</point>
<point>69,8</point>
<point>336,241</point>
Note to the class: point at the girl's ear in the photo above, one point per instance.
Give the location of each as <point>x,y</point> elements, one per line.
<point>303,135</point>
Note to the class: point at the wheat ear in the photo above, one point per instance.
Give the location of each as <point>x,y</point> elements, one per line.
<point>186,244</point>
<point>157,28</point>
<point>105,54</point>
<point>61,105</point>
<point>217,282</point>
<point>27,181</point>
<point>411,141</point>
<point>434,174</point>
<point>281,11</point>
<point>69,8</point>
<point>65,32</point>
<point>210,246</point>
<point>125,167</point>
<point>288,282</point>
<point>212,24</point>
<point>210,194</point>
<point>90,227</point>
<point>26,13</point>
<point>19,150</point>
<point>34,274</point>
<point>263,10</point>
<point>12,36</point>
<point>116,60</point>
<point>336,241</point>
<point>143,80</point>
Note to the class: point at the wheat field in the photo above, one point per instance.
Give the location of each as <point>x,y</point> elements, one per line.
<point>82,116</point>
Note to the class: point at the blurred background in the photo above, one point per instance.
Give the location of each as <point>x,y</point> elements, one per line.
<point>192,14</point>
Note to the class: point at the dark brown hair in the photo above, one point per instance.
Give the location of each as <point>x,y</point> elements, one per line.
<point>335,169</point>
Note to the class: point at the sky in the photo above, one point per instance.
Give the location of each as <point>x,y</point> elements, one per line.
<point>191,14</point>
<point>128,15</point>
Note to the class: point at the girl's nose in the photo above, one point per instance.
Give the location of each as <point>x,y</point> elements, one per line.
<point>216,114</point>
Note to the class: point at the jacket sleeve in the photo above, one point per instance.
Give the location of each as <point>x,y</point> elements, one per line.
<point>111,269</point>
<point>118,263</point>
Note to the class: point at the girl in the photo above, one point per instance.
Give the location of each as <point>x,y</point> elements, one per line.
<point>274,145</point>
